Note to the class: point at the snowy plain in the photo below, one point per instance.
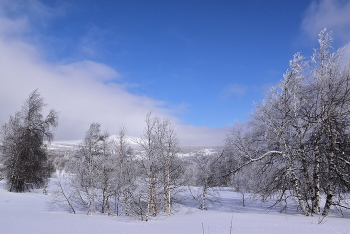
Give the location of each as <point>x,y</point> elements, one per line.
<point>31,213</point>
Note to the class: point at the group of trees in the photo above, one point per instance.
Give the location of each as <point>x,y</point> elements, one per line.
<point>297,142</point>
<point>296,147</point>
<point>98,174</point>
<point>159,164</point>
<point>106,175</point>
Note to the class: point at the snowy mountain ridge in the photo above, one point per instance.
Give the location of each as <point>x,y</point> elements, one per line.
<point>132,141</point>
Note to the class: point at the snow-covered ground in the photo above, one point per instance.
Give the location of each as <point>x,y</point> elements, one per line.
<point>30,213</point>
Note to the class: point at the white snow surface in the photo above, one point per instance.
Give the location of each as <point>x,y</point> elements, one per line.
<point>30,213</point>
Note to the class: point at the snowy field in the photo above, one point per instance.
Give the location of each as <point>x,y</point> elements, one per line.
<point>30,213</point>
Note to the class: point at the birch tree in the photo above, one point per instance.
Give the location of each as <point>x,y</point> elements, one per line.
<point>159,147</point>
<point>332,79</point>
<point>204,179</point>
<point>302,130</point>
<point>125,172</point>
<point>87,167</point>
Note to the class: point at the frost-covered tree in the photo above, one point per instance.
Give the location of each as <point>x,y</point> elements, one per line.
<point>90,169</point>
<point>23,147</point>
<point>124,174</point>
<point>204,178</point>
<point>159,164</point>
<point>101,176</point>
<point>299,135</point>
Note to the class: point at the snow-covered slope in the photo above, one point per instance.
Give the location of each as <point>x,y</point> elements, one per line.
<point>185,150</point>
<point>64,144</point>
<point>30,213</point>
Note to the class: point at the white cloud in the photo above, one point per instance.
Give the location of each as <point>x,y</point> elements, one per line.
<point>331,14</point>
<point>83,92</point>
<point>202,136</point>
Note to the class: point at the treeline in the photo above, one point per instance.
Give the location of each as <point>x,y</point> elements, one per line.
<point>106,175</point>
<point>103,174</point>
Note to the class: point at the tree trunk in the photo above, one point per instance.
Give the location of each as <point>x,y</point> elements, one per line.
<point>330,187</point>
<point>316,176</point>
<point>295,184</point>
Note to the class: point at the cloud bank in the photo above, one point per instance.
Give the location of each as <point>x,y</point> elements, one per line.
<point>83,91</point>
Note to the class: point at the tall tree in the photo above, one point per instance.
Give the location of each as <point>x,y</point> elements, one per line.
<point>90,170</point>
<point>301,131</point>
<point>24,153</point>
<point>159,162</point>
<point>124,172</point>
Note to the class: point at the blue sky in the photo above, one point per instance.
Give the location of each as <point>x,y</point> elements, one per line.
<point>208,60</point>
<point>201,63</point>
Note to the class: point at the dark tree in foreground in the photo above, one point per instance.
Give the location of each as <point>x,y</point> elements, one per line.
<point>23,152</point>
